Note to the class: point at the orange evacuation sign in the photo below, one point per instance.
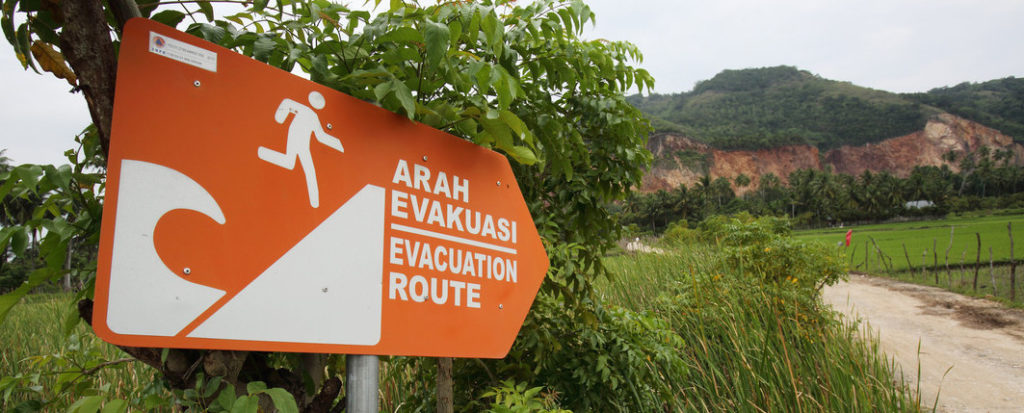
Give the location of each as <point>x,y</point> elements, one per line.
<point>250,209</point>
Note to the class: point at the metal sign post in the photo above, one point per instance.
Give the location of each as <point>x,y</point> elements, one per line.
<point>361,379</point>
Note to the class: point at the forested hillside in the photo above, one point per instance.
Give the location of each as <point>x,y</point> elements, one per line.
<point>770,107</point>
<point>997,103</point>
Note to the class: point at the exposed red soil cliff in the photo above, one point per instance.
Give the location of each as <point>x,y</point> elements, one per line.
<point>680,160</point>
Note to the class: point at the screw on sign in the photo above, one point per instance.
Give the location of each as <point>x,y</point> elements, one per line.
<point>245,205</point>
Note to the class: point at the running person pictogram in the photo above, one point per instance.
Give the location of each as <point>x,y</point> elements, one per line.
<point>305,124</point>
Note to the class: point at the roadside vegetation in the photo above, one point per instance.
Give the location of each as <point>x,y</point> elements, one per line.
<point>728,319</point>
<point>744,297</point>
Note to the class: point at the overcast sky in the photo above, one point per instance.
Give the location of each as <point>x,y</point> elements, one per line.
<point>893,45</point>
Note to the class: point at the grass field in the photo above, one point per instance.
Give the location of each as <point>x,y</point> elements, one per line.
<point>926,244</point>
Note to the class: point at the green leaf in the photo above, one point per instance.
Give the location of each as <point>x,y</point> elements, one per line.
<point>404,95</point>
<point>499,130</point>
<point>9,300</point>
<point>226,397</point>
<point>516,125</point>
<point>246,404</point>
<point>259,5</point>
<point>169,17</point>
<point>502,88</point>
<point>523,155</point>
<point>483,78</point>
<point>491,29</point>
<point>254,387</point>
<point>8,27</point>
<point>382,90</point>
<point>402,35</point>
<point>207,32</point>
<point>19,241</point>
<point>89,404</point>
<point>23,47</point>
<point>115,406</point>
<point>71,319</point>
<point>262,48</point>
<point>206,8</point>
<point>211,386</point>
<point>283,401</point>
<point>454,32</point>
<point>330,46</point>
<point>437,36</point>
<point>59,177</point>
<point>6,233</point>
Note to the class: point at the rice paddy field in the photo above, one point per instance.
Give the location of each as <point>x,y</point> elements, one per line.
<point>942,253</point>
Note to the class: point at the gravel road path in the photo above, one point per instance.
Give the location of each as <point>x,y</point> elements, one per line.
<point>980,343</point>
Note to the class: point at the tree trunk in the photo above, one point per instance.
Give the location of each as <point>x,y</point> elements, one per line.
<point>444,385</point>
<point>85,43</point>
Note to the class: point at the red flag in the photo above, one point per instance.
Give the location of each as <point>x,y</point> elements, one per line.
<point>849,234</point>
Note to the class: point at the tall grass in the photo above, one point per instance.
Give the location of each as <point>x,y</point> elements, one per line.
<point>45,369</point>
<point>755,346</point>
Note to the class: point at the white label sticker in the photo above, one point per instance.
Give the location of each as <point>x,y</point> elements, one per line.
<point>182,52</point>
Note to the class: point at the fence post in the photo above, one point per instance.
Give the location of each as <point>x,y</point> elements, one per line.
<point>1013,265</point>
<point>924,262</point>
<point>963,258</point>
<point>992,273</point>
<point>867,253</point>
<point>977,262</point>
<point>949,277</point>
<point>907,256</point>
<point>881,255</point>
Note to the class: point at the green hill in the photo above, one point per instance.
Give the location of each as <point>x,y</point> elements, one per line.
<point>775,106</point>
<point>997,103</point>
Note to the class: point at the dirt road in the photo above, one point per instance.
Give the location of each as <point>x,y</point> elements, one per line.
<point>980,343</point>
